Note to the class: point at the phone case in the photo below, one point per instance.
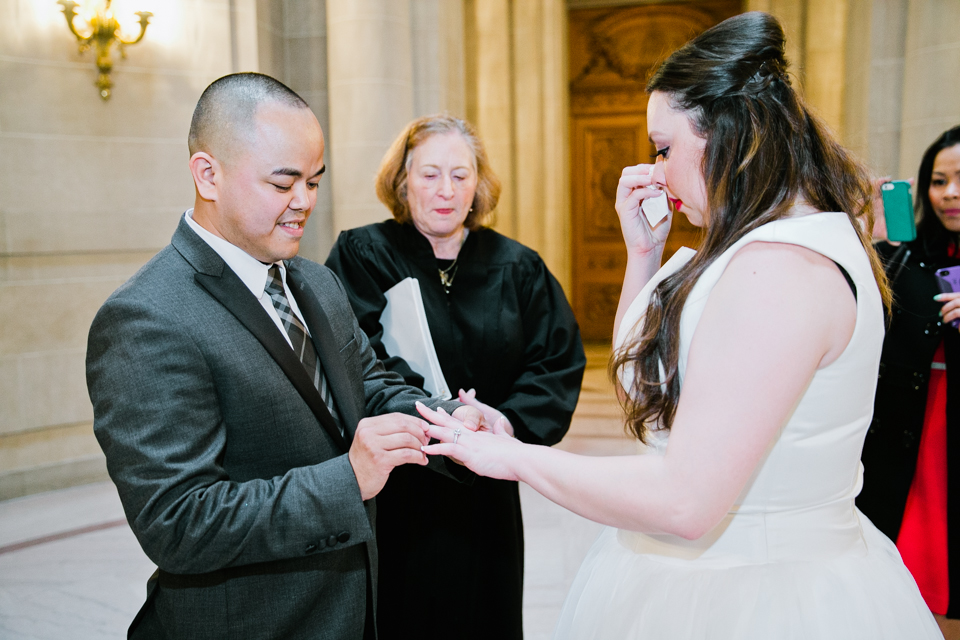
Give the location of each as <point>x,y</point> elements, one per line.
<point>948,280</point>
<point>898,211</point>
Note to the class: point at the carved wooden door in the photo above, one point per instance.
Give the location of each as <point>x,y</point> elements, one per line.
<point>612,52</point>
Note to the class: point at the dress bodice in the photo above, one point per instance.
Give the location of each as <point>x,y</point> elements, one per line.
<point>793,558</point>
<point>811,471</point>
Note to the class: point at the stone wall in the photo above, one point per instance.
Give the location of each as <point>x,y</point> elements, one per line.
<point>292,47</point>
<point>89,191</point>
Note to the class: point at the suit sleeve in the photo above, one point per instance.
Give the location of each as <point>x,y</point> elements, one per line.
<point>158,419</point>
<point>543,397</point>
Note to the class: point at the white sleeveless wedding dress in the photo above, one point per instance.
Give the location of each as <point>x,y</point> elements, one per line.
<point>794,558</point>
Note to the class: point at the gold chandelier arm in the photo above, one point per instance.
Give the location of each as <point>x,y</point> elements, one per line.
<point>144,21</point>
<point>70,12</point>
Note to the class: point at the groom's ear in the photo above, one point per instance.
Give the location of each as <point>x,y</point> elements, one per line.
<point>207,175</point>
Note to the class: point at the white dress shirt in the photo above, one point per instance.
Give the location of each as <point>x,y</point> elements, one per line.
<point>251,272</point>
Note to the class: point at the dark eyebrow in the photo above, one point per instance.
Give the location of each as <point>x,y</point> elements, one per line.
<point>295,173</point>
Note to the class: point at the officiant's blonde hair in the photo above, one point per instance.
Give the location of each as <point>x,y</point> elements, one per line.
<point>392,175</point>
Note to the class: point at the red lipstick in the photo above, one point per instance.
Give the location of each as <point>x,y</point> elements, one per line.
<point>677,203</point>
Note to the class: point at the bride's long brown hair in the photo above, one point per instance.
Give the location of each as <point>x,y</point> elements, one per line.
<point>764,151</point>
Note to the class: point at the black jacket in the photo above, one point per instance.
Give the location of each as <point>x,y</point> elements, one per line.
<point>893,441</point>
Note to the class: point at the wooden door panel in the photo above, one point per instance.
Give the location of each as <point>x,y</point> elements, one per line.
<point>603,145</point>
<point>612,51</point>
<point>607,149</point>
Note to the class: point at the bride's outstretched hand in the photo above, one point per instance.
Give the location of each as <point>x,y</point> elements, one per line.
<point>635,187</point>
<point>487,453</point>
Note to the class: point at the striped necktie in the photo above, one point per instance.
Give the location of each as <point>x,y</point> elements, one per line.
<point>302,344</point>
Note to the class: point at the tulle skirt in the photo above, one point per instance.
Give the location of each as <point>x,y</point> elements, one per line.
<point>619,594</point>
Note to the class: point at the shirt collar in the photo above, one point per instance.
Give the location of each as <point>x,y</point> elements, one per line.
<point>251,271</point>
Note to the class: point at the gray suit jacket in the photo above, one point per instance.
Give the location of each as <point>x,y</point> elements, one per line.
<point>232,473</point>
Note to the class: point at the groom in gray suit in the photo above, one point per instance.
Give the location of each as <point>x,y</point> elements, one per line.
<point>245,419</point>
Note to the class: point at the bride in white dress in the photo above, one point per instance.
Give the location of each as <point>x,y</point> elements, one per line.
<point>748,369</point>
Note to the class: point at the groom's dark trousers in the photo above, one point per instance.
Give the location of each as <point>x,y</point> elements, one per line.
<point>232,473</point>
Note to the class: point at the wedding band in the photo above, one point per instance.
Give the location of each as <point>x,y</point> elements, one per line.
<point>456,435</point>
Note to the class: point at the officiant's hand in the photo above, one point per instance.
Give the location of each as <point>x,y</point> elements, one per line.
<point>490,415</point>
<point>471,417</point>
<point>487,453</point>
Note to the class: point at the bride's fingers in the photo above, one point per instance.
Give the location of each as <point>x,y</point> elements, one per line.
<point>443,419</point>
<point>443,434</point>
<point>443,449</point>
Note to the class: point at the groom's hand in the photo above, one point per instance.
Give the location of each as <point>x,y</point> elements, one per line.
<point>382,443</point>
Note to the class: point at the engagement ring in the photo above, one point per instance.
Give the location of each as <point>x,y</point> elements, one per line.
<point>456,435</point>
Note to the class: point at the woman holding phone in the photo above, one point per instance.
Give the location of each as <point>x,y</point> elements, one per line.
<point>911,485</point>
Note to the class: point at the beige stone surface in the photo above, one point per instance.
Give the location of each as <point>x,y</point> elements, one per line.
<point>370,82</point>
<point>824,73</point>
<point>931,93</point>
<point>89,190</point>
<point>490,99</point>
<point>243,33</point>
<point>427,61</point>
<point>517,96</point>
<point>887,40</point>
<point>46,446</point>
<point>50,316</point>
<point>52,389</point>
<point>556,222</point>
<point>452,57</point>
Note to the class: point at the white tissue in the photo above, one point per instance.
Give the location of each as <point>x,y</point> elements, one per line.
<point>656,209</point>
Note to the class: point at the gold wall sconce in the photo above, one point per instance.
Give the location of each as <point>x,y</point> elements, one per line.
<point>102,31</point>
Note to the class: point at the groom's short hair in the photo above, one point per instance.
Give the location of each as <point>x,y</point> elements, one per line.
<point>226,109</point>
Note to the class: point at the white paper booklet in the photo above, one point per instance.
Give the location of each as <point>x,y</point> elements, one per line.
<point>406,334</point>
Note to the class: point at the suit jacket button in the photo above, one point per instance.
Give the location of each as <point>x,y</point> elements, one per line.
<point>311,548</point>
<point>332,541</point>
<point>343,537</point>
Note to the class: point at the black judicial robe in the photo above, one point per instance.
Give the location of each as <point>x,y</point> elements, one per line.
<point>451,554</point>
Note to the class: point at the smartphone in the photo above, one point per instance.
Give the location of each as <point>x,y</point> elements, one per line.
<point>949,282</point>
<point>898,211</point>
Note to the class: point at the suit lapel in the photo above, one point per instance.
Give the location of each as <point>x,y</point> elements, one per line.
<point>225,287</point>
<point>329,351</point>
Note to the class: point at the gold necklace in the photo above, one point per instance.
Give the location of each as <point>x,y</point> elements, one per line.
<point>447,275</point>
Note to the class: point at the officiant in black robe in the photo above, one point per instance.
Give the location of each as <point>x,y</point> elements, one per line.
<point>451,554</point>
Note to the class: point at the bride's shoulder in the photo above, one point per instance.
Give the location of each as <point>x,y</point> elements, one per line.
<point>779,264</point>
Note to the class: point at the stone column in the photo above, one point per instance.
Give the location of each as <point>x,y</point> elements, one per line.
<point>490,95</point>
<point>931,95</point>
<point>517,96</point>
<point>541,126</point>
<point>370,81</point>
<point>437,32</point>
<point>888,33</point>
<point>824,73</point>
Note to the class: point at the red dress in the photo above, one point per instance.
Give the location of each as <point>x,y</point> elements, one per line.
<point>923,534</point>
